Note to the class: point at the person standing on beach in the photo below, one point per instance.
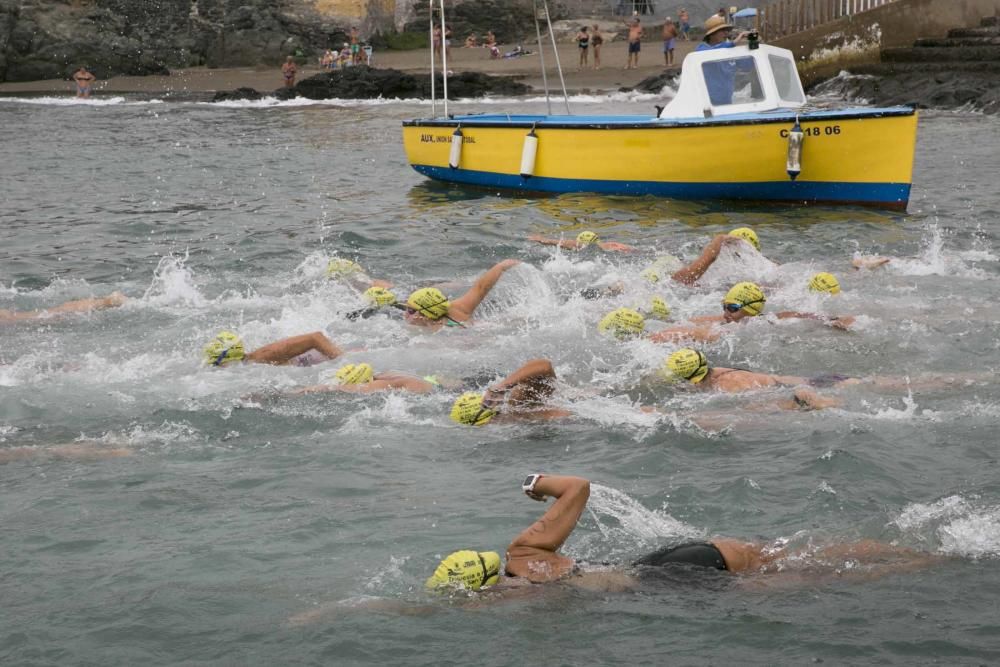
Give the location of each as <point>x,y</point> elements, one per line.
<point>634,43</point>
<point>583,41</point>
<point>685,20</point>
<point>596,40</point>
<point>355,46</point>
<point>288,71</point>
<point>436,40</point>
<point>84,80</point>
<point>669,35</point>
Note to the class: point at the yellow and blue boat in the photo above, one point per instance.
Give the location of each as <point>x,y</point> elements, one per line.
<point>739,128</point>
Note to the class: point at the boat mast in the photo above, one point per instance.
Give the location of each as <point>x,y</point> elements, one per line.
<point>430,18</point>
<point>555,51</point>
<point>541,57</point>
<point>444,59</point>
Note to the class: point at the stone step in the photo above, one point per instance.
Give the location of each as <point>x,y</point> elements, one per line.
<point>941,54</point>
<point>936,68</point>
<point>989,21</point>
<point>959,33</point>
<point>962,41</point>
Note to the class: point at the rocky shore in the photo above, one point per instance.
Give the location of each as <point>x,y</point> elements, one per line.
<point>363,82</point>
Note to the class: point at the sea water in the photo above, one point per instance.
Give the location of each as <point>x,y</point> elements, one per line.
<point>237,525</point>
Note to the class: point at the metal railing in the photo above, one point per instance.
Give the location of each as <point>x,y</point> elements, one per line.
<point>780,18</point>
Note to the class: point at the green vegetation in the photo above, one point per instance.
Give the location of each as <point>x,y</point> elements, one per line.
<point>406,41</point>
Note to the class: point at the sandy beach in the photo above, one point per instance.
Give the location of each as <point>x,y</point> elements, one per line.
<point>610,77</point>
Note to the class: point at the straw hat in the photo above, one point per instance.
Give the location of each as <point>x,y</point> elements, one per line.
<point>715,23</point>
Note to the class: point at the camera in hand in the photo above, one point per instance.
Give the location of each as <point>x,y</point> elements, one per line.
<point>753,39</point>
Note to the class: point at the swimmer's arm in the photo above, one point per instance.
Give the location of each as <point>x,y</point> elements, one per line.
<point>836,322</point>
<point>549,532</point>
<point>533,380</point>
<point>690,274</point>
<point>282,351</point>
<point>392,380</point>
<point>113,300</point>
<point>674,334</point>
<point>614,246</point>
<point>870,262</point>
<point>567,244</point>
<point>461,308</point>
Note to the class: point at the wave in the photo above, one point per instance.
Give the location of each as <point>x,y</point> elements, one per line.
<point>76,101</point>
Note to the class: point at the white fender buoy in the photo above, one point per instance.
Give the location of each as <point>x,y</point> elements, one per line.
<point>528,152</point>
<point>456,148</point>
<point>793,165</point>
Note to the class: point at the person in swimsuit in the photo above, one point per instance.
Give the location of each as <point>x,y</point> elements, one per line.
<point>305,350</point>
<point>520,395</point>
<point>84,81</point>
<point>596,40</point>
<point>113,300</point>
<point>634,43</point>
<point>744,300</point>
<point>533,556</point>
<point>288,72</point>
<point>583,240</point>
<point>685,20</point>
<point>583,42</point>
<point>429,307</point>
<point>669,36</point>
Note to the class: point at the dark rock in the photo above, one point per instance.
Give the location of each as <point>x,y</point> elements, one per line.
<point>655,84</point>
<point>941,53</point>
<point>363,82</point>
<point>959,87</point>
<point>238,94</point>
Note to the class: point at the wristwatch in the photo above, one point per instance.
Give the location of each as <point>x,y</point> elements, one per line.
<point>528,485</point>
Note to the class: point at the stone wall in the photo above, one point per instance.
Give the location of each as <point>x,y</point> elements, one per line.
<point>856,40</point>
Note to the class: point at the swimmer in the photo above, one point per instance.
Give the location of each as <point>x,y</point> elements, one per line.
<point>520,395</point>
<point>305,350</point>
<point>691,273</point>
<point>351,273</point>
<point>742,301</point>
<point>429,307</point>
<point>583,240</point>
<point>113,300</point>
<point>533,556</point>
<point>361,379</point>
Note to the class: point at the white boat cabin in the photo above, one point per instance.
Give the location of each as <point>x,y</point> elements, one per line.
<point>737,80</point>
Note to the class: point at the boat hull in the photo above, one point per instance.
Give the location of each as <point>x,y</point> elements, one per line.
<point>848,157</point>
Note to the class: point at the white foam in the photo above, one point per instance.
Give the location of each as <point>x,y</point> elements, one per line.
<point>77,101</point>
<point>173,283</point>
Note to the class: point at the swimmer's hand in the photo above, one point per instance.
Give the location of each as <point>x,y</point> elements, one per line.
<point>843,323</point>
<point>870,262</point>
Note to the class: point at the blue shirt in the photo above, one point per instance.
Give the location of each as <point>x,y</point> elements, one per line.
<point>720,76</point>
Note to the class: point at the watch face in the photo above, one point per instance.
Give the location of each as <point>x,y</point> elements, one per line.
<point>527,481</point>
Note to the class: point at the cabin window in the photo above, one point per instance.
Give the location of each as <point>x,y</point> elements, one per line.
<point>787,79</point>
<point>732,81</point>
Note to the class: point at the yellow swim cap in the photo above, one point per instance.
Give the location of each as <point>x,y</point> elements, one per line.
<point>467,569</point>
<point>468,409</point>
<point>685,364</point>
<point>659,310</point>
<point>824,282</point>
<point>651,274</point>
<point>622,323</point>
<point>747,234</point>
<point>586,238</point>
<point>355,374</point>
<point>749,296</point>
<point>225,348</point>
<point>342,268</point>
<point>429,302</point>
<point>380,296</point>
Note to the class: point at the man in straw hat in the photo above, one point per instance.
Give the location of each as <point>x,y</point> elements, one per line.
<point>720,76</point>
